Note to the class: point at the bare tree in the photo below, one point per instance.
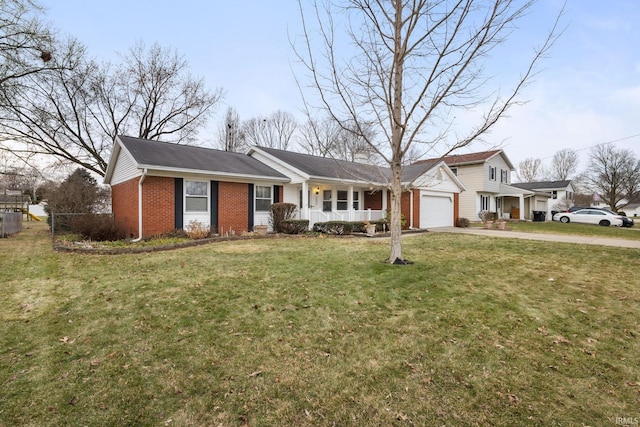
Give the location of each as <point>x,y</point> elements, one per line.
<point>75,110</point>
<point>316,137</point>
<point>563,165</point>
<point>274,131</point>
<point>529,170</point>
<point>230,136</point>
<point>351,144</point>
<point>407,67</point>
<point>614,175</point>
<point>25,41</point>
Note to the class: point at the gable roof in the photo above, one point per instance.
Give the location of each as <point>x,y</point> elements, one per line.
<point>543,185</point>
<point>343,170</point>
<point>327,167</point>
<point>188,158</point>
<point>471,158</point>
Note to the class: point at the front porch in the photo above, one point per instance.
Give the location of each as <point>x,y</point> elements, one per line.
<point>322,202</point>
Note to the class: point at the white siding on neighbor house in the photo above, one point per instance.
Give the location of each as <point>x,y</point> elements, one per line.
<point>476,179</point>
<point>472,177</point>
<point>125,169</point>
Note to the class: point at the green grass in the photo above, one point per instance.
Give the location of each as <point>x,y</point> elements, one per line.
<point>318,331</point>
<point>554,227</point>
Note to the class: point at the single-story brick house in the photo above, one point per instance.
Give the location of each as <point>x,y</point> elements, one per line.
<point>158,187</point>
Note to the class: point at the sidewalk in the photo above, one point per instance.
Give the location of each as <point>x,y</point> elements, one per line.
<point>562,238</point>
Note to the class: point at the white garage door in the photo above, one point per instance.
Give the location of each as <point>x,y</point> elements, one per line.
<point>436,212</point>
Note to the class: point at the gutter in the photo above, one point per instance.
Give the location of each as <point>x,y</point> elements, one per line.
<point>144,174</point>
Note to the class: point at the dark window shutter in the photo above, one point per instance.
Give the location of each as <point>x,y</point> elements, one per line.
<point>214,207</point>
<point>179,211</point>
<point>250,207</point>
<point>276,193</point>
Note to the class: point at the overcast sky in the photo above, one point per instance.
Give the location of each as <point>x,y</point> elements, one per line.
<point>588,91</point>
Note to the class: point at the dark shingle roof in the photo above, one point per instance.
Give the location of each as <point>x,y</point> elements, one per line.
<point>162,155</point>
<point>326,167</point>
<point>542,185</point>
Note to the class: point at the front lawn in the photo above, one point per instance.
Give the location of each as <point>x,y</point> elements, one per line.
<point>318,331</point>
<point>555,227</point>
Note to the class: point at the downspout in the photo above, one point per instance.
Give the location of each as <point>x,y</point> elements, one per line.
<point>144,174</point>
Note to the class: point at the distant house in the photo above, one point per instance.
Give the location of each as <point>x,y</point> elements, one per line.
<point>158,187</point>
<point>486,176</point>
<point>561,193</point>
<point>631,210</point>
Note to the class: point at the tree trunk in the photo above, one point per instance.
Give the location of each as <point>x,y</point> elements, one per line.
<point>396,224</point>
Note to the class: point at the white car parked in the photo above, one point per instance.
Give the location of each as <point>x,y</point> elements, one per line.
<point>589,216</point>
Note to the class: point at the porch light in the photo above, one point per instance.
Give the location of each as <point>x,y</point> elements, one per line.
<point>316,191</point>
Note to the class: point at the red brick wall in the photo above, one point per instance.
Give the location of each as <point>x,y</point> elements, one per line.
<point>373,201</point>
<point>405,206</point>
<point>456,208</point>
<point>124,200</point>
<point>158,205</point>
<point>416,208</point>
<point>233,209</point>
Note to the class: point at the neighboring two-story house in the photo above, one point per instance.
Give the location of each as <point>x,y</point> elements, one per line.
<point>561,193</point>
<point>487,178</point>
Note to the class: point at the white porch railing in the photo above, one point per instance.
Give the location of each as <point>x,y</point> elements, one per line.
<point>350,215</point>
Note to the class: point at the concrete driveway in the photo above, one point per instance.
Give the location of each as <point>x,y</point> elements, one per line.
<point>562,238</point>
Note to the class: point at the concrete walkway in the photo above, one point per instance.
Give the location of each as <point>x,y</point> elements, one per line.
<point>562,238</point>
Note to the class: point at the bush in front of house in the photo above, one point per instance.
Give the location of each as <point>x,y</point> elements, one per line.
<point>294,226</point>
<point>462,222</point>
<point>333,227</point>
<point>279,212</point>
<point>348,227</point>
<point>96,227</point>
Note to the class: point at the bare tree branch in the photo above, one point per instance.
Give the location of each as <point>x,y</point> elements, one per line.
<point>406,68</point>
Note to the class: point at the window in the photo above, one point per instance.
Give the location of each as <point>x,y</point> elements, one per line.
<point>455,171</point>
<point>263,198</point>
<point>196,196</point>
<point>504,176</point>
<point>492,173</point>
<point>326,201</point>
<point>555,194</point>
<point>485,203</point>
<point>342,202</point>
<point>356,200</point>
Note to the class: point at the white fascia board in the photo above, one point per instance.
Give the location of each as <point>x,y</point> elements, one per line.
<point>278,161</point>
<point>112,162</point>
<point>227,175</point>
<point>347,181</point>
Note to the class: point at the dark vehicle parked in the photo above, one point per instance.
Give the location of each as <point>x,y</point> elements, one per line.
<point>626,222</point>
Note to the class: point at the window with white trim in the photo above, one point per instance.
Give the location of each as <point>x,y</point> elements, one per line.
<point>554,194</point>
<point>342,204</point>
<point>263,198</point>
<point>492,173</point>
<point>485,203</point>
<point>326,201</point>
<point>455,171</point>
<point>356,200</point>
<point>504,176</point>
<point>196,195</point>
